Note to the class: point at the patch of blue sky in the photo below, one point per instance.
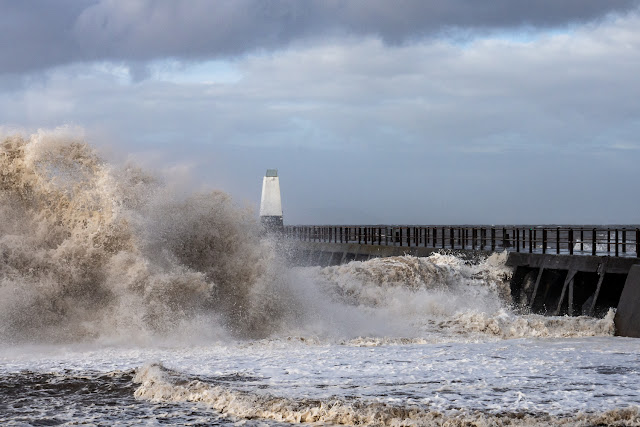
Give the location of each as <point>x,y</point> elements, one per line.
<point>529,34</point>
<point>525,34</point>
<point>195,72</point>
<point>106,70</point>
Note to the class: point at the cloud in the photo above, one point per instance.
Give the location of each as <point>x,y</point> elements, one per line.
<point>492,95</point>
<point>38,34</point>
<point>495,129</point>
<point>45,33</point>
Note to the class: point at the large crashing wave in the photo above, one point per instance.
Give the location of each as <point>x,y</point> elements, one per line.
<point>90,250</point>
<point>87,250</point>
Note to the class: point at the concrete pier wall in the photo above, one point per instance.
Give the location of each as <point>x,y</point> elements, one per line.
<point>628,314</point>
<point>325,254</point>
<point>568,285</point>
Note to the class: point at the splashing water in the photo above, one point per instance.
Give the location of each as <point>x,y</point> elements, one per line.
<point>90,250</point>
<point>105,268</point>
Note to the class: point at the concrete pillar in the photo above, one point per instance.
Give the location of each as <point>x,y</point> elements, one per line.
<point>627,318</point>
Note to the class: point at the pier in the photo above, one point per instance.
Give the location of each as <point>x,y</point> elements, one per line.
<point>557,270</point>
<point>618,242</point>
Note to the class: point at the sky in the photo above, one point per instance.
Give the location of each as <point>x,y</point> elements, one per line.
<point>373,111</point>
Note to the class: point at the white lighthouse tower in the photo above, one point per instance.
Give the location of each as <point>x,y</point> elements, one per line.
<point>270,203</point>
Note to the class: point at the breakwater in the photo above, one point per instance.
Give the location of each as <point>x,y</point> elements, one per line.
<point>556,271</point>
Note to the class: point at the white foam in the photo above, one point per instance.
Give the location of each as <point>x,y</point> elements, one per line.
<point>440,298</point>
<point>159,384</point>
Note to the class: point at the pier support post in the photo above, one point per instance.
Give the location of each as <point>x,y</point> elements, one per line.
<point>567,282</point>
<point>493,239</point>
<point>536,286</point>
<point>602,270</point>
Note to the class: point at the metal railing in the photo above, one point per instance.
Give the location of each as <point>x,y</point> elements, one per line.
<point>619,242</point>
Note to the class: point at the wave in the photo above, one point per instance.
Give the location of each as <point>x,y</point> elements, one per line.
<point>453,283</point>
<point>88,250</point>
<point>159,384</point>
<point>95,251</point>
<point>440,298</point>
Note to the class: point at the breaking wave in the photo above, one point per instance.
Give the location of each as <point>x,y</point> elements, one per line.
<point>158,384</point>
<point>441,298</point>
<point>90,250</point>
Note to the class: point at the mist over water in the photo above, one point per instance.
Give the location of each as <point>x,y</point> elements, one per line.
<point>93,250</point>
<point>142,292</point>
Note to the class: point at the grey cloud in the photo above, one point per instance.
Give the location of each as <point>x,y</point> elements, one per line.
<point>38,34</point>
<point>366,132</point>
<point>35,34</point>
<point>578,91</point>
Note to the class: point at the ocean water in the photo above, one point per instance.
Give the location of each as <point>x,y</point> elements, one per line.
<point>124,301</point>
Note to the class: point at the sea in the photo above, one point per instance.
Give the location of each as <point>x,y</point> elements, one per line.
<point>125,300</point>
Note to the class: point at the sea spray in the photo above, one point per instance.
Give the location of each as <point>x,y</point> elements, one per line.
<point>439,298</point>
<point>89,250</point>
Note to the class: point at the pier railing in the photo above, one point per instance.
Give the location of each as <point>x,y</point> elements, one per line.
<point>619,242</point>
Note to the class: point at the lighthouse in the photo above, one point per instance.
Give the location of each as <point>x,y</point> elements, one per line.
<point>270,203</point>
